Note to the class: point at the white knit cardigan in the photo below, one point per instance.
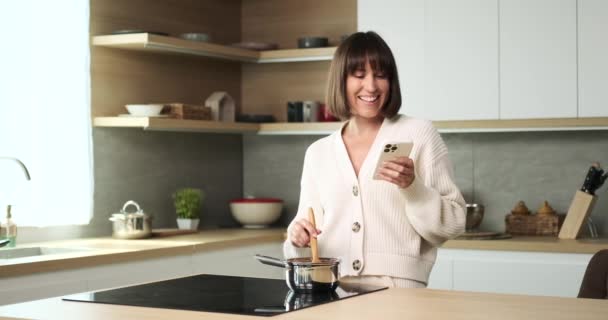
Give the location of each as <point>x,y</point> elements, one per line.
<point>399,228</point>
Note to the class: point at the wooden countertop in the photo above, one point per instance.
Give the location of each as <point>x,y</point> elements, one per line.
<point>533,244</point>
<point>98,251</point>
<point>386,305</point>
<point>107,250</point>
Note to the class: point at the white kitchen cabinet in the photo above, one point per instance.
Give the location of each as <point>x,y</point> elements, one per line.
<point>479,59</point>
<point>538,68</point>
<point>59,283</point>
<point>530,273</point>
<point>235,261</point>
<point>461,59</point>
<point>42,285</point>
<point>401,24</point>
<point>592,53</point>
<point>446,52</point>
<point>441,276</point>
<point>240,261</point>
<point>131,273</point>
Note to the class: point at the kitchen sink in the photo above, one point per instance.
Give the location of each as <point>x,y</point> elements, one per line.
<point>14,253</point>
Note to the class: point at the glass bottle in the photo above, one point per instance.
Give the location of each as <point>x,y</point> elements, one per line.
<point>9,228</point>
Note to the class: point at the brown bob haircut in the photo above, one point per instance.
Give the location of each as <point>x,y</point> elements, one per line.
<point>351,56</point>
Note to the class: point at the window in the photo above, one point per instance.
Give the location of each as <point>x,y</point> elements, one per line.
<point>45,111</point>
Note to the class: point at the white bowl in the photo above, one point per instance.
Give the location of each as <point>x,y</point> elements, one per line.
<point>144,110</point>
<point>256,212</point>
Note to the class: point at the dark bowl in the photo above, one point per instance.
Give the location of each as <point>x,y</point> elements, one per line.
<point>312,42</point>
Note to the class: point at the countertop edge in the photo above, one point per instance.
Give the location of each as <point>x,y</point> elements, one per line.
<point>177,245</point>
<point>532,244</point>
<point>118,251</point>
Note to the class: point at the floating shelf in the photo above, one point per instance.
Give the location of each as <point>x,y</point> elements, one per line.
<point>296,55</point>
<point>166,124</point>
<point>515,125</point>
<point>163,44</point>
<point>324,128</point>
<point>311,128</point>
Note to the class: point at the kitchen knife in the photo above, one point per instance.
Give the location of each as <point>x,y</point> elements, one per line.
<point>595,178</point>
<point>600,181</point>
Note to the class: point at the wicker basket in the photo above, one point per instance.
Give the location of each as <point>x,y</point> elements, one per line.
<point>534,225</point>
<point>187,111</point>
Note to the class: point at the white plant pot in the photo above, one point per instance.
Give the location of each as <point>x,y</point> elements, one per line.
<point>187,224</point>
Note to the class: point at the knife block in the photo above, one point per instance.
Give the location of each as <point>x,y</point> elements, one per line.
<point>580,208</point>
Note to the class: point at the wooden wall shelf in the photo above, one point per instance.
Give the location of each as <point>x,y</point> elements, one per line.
<point>162,44</point>
<point>165,124</point>
<point>514,125</point>
<point>312,128</point>
<point>324,128</point>
<point>296,55</point>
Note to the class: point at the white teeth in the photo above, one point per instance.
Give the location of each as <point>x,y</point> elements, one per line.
<point>369,98</point>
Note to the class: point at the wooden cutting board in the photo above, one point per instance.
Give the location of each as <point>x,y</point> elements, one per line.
<point>159,233</point>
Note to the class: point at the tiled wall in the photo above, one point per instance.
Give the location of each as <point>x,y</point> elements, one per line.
<point>147,166</point>
<point>494,169</point>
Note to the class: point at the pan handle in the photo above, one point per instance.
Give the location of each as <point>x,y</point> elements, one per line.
<point>270,261</point>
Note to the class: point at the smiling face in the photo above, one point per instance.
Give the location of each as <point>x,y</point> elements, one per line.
<point>367,91</point>
<point>363,79</point>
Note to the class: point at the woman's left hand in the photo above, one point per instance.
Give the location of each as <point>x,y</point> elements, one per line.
<point>399,171</point>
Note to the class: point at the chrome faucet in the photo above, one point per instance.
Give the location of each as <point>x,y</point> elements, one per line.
<point>21,164</point>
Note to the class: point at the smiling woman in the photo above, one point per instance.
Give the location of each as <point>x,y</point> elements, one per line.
<point>384,224</point>
<point>45,111</point>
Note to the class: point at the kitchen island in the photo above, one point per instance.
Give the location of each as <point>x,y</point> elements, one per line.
<point>507,266</point>
<point>385,305</point>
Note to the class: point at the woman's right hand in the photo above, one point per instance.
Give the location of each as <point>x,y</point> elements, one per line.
<point>301,231</point>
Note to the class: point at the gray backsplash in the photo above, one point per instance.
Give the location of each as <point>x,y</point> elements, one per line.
<point>494,169</point>
<point>147,166</point>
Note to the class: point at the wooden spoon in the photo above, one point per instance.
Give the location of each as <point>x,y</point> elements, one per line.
<point>313,241</point>
<point>318,273</point>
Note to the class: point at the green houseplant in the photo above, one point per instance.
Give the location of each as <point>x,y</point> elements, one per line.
<point>188,203</point>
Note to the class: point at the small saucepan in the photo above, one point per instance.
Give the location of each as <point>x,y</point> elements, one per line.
<point>131,225</point>
<point>302,275</point>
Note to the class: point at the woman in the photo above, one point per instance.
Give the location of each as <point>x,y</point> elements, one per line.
<point>384,228</point>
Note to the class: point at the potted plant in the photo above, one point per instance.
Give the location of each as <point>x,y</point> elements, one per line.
<point>187,203</point>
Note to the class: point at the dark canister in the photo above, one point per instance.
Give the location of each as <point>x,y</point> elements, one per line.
<point>295,111</point>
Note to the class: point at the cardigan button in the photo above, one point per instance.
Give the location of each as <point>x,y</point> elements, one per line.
<point>355,191</point>
<point>356,265</point>
<point>356,227</point>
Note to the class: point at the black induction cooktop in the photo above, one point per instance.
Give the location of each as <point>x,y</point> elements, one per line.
<point>225,294</point>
